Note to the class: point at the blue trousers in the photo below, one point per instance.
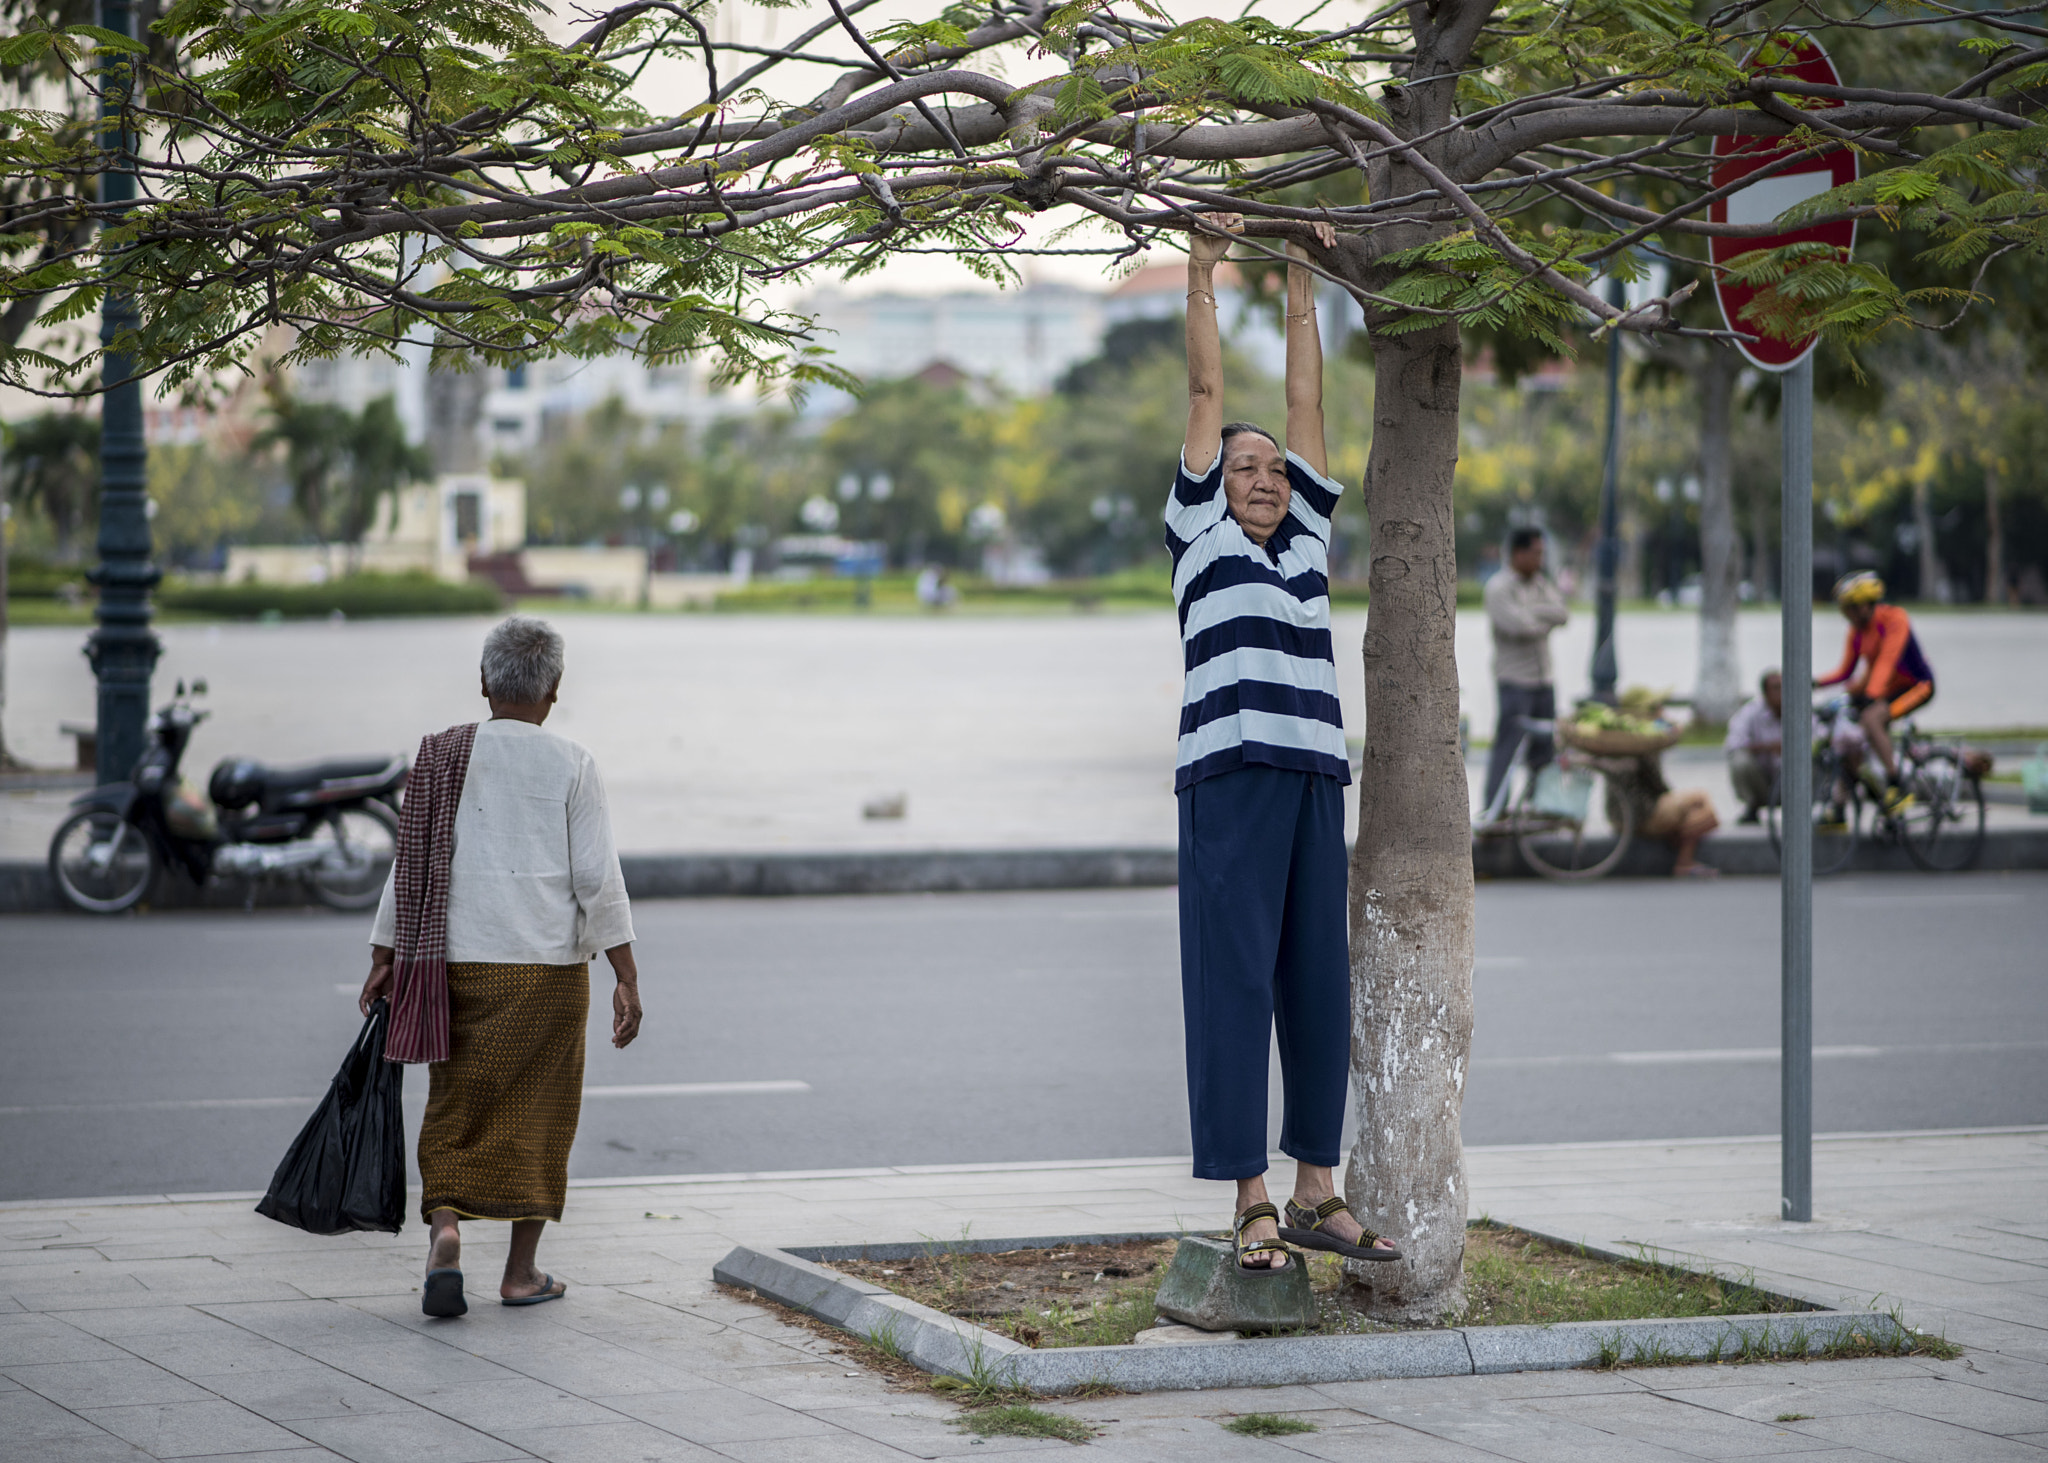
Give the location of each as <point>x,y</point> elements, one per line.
<point>1264,949</point>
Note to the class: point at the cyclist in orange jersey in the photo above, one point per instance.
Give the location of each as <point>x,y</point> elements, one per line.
<point>1894,679</point>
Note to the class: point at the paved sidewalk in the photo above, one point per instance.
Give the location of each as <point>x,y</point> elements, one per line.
<point>187,1327</point>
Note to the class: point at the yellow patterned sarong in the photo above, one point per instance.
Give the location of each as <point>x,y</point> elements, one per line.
<point>502,1110</point>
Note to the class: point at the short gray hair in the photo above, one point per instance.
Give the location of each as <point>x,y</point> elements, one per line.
<point>522,660</point>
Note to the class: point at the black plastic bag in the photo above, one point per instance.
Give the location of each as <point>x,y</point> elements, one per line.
<point>346,1169</point>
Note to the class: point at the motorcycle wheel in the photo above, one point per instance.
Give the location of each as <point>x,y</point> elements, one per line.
<point>101,863</point>
<point>360,843</point>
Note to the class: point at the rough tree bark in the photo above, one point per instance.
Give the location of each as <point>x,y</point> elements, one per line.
<point>1411,871</point>
<point>1719,690</point>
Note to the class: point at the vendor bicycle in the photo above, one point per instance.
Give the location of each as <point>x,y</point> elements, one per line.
<point>1565,819</point>
<point>1941,825</point>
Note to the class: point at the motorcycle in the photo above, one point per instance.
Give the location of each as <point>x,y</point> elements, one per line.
<point>332,825</point>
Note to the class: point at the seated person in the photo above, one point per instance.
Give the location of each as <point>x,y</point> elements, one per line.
<point>1755,745</point>
<point>1888,676</point>
<point>1680,819</point>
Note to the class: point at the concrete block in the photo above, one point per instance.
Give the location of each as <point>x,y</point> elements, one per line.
<point>1205,1287</point>
<point>1173,1333</point>
<point>1253,1362</point>
<point>794,1281</point>
<point>1497,1349</point>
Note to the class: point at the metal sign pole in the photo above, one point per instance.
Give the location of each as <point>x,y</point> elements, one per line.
<point>1796,810</point>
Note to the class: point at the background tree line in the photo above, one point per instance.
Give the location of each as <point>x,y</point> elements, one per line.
<point>1940,481</point>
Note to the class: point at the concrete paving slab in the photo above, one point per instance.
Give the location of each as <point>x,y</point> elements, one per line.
<point>28,1337</point>
<point>496,1407</point>
<point>100,1447</point>
<point>205,1353</point>
<point>1382,1444</point>
<point>305,1453</point>
<point>405,1437</point>
<point>696,1363</point>
<point>1680,1426</point>
<point>607,1442</point>
<point>192,1429</point>
<point>720,1416</point>
<point>315,1391</point>
<point>1919,1439</point>
<point>837,1447</point>
<point>411,1367</point>
<point>28,1420</point>
<point>82,1384</point>
<point>1945,1401</point>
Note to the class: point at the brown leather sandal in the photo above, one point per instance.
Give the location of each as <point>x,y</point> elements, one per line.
<point>1304,1227</point>
<point>1246,1220</point>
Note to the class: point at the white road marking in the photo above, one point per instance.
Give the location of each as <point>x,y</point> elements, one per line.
<point>644,1089</point>
<point>695,1089</point>
<point>1709,1055</point>
<point>1734,1054</point>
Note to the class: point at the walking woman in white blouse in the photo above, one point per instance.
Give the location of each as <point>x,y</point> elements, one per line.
<point>507,845</point>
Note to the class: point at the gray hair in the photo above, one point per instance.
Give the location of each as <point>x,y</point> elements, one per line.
<point>522,660</point>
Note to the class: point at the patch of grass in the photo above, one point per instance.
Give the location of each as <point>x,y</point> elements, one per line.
<point>357,596</point>
<point>883,1339</point>
<point>1267,1425</point>
<point>24,611</point>
<point>1991,734</point>
<point>1019,1421</point>
<point>1793,1417</point>
<point>1113,1321</point>
<point>1145,587</point>
<point>1514,1279</point>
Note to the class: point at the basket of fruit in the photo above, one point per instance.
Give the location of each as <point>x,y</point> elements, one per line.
<point>1635,728</point>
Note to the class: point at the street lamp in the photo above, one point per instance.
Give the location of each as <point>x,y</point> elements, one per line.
<point>1607,557</point>
<point>122,648</point>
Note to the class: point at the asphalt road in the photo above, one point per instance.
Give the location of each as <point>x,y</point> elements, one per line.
<point>180,1052</point>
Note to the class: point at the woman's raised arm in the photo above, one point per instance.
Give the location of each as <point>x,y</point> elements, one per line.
<point>1205,345</point>
<point>1304,358</point>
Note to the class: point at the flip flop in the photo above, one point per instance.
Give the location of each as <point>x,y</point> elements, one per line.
<point>1304,1227</point>
<point>546,1292</point>
<point>443,1296</point>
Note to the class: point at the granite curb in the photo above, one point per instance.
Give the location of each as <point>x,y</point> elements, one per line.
<point>948,1346</point>
<point>25,886</point>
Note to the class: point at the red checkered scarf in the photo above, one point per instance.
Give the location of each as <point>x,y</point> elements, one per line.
<point>426,841</point>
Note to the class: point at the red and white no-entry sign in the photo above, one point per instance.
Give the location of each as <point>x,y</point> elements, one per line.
<point>1763,200</point>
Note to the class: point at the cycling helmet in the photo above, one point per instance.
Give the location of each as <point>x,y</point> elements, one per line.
<point>1861,588</point>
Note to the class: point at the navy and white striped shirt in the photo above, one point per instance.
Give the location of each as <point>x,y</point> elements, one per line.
<point>1255,631</point>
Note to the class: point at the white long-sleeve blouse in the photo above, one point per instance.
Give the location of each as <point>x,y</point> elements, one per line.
<point>534,878</point>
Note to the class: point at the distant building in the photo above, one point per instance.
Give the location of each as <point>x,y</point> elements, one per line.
<point>1023,339</point>
<point>1020,341</point>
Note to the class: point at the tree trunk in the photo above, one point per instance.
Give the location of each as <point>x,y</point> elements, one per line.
<point>1994,542</point>
<point>1923,527</point>
<point>1411,872</point>
<point>1719,690</point>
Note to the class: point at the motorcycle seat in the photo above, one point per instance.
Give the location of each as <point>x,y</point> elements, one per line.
<point>238,782</point>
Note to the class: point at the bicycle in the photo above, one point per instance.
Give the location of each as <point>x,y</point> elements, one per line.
<point>1562,830</point>
<point>1940,825</point>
